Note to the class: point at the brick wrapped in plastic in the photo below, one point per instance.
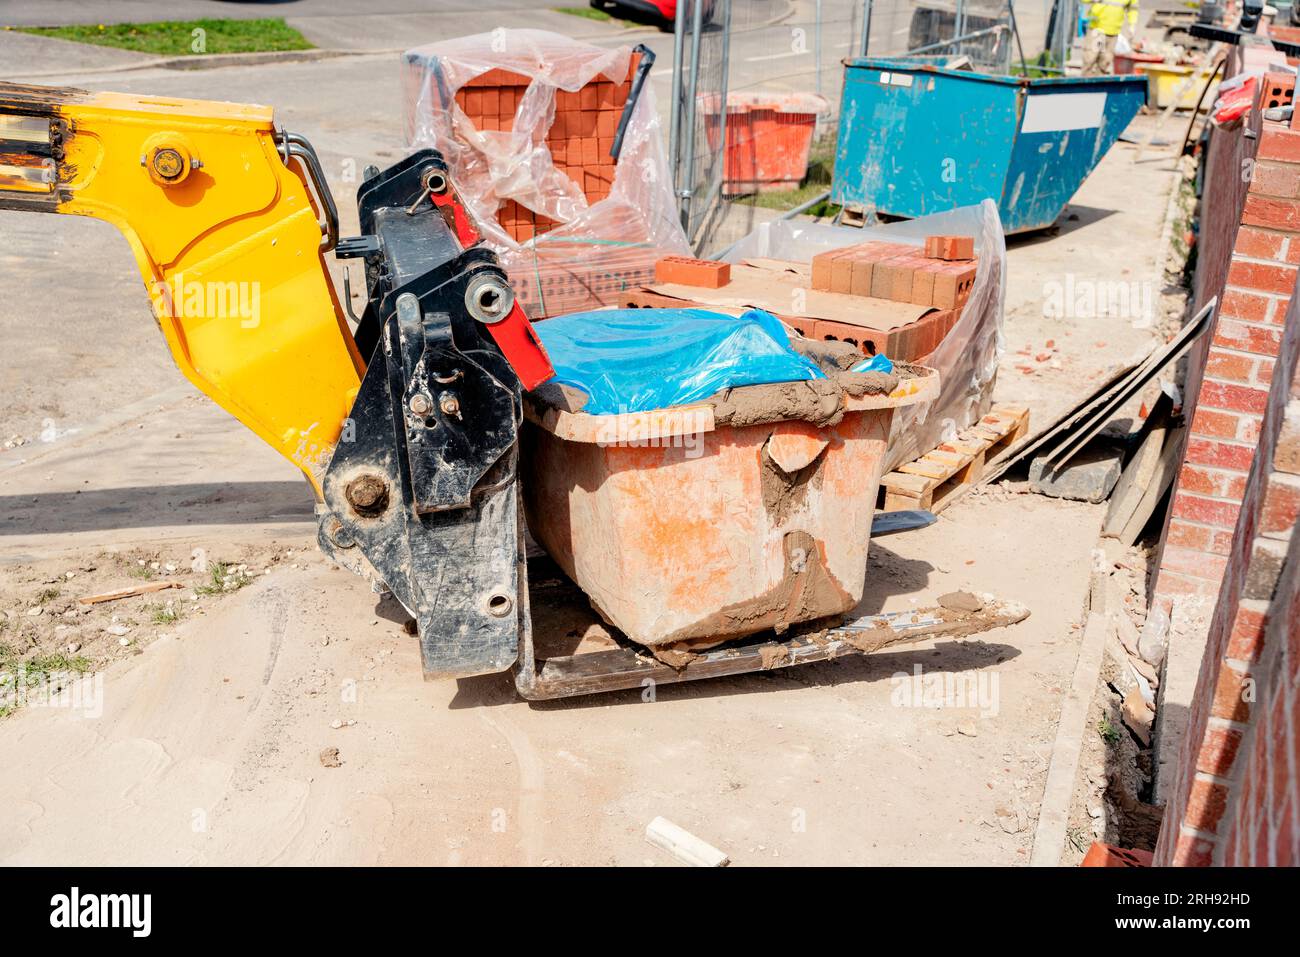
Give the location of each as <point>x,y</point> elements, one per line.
<point>967,358</point>
<point>527,121</point>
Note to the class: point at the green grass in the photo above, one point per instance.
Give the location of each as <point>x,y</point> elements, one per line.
<point>183,37</point>
<point>47,594</point>
<point>38,669</point>
<point>140,571</point>
<point>1107,731</point>
<point>163,614</point>
<point>591,13</point>
<point>223,579</point>
<point>46,665</point>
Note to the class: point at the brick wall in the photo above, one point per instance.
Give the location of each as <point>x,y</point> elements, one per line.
<point>1227,152</point>
<point>1236,797</point>
<point>1228,379</point>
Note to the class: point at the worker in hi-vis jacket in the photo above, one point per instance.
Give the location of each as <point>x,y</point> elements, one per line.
<point>1106,20</point>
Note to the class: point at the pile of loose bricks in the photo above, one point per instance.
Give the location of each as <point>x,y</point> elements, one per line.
<point>940,275</point>
<point>580,139</point>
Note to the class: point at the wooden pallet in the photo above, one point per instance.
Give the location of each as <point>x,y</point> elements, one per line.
<point>934,480</point>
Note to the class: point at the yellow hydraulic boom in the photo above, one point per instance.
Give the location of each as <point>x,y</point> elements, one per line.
<point>229,240</point>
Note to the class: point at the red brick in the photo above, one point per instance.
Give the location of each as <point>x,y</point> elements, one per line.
<point>692,272</point>
<point>1205,805</point>
<point>1221,542</point>
<point>1185,535</point>
<point>1249,431</point>
<point>1229,696</point>
<point>1280,757</point>
<point>1219,454</point>
<point>1271,213</point>
<point>1258,244</point>
<point>1279,143</point>
<point>1206,510</point>
<point>1286,456</point>
<point>1245,305</point>
<point>1193,563</point>
<point>1232,366</point>
<point>1261,340</point>
<point>1247,635</point>
<point>1275,179</point>
<point>1207,481</point>
<point>1212,422</point>
<point>950,247</point>
<point>1235,398</point>
<point>1218,751</point>
<point>1192,851</point>
<point>1281,506</point>
<point>1171,583</point>
<point>1279,280</point>
<point>1284,827</point>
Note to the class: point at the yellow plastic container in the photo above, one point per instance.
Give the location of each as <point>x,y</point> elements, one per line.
<point>683,530</point>
<point>1164,81</point>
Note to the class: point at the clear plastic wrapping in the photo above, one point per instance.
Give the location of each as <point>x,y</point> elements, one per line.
<point>572,227</point>
<point>967,359</point>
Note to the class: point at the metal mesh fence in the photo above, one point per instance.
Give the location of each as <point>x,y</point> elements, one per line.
<point>769,61</point>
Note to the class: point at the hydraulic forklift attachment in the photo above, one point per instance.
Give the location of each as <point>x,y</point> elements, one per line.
<point>408,430</point>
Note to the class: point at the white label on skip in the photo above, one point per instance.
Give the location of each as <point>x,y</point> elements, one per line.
<point>1053,112</point>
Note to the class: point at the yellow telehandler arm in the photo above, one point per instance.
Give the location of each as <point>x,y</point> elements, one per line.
<point>407,430</point>
<point>215,205</point>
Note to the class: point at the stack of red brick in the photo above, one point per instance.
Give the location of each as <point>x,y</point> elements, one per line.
<point>580,137</point>
<point>941,275</point>
<point>898,272</point>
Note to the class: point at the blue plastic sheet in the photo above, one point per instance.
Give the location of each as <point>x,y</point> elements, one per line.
<point>877,363</point>
<point>636,360</point>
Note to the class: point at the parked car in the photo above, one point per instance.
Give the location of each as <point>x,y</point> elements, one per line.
<point>660,12</point>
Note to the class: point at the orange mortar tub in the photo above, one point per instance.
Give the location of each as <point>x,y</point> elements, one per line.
<point>704,531</point>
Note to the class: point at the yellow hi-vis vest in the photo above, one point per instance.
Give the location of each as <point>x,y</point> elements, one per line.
<point>1108,16</point>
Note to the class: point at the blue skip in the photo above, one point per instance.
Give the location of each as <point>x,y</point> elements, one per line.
<point>916,138</point>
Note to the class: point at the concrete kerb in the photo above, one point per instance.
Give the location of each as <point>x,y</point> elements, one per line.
<point>1058,793</point>
<point>209,61</point>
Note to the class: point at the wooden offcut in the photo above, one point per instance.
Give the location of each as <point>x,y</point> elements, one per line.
<point>129,592</point>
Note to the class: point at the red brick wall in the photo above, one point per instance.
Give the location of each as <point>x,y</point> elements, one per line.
<point>1236,797</point>
<point>1228,379</point>
<point>1229,152</point>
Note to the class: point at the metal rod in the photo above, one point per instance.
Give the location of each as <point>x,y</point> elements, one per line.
<point>959,25</point>
<point>866,27</point>
<point>817,47</point>
<point>675,120</point>
<point>1015,30</point>
<point>687,189</point>
<point>996,28</point>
